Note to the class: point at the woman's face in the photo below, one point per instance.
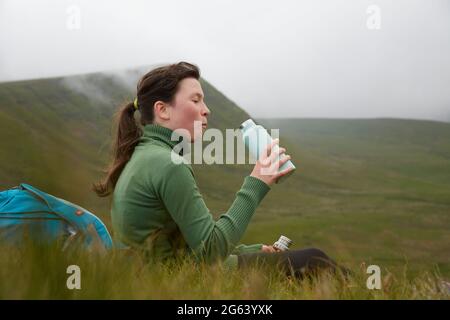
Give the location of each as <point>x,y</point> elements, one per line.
<point>189,109</point>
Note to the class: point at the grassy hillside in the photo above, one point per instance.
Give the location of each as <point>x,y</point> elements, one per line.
<point>371,190</point>
<point>366,191</point>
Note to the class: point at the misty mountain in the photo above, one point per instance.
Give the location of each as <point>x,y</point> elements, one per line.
<point>56,134</point>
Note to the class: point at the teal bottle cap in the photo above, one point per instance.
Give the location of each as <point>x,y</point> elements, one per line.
<point>247,123</point>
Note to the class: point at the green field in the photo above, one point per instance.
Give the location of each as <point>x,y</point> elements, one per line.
<point>366,192</point>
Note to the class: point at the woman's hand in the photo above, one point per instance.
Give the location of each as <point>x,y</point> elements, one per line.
<point>266,168</point>
<point>269,249</point>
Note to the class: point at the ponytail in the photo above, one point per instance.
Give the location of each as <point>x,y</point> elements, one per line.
<point>128,134</point>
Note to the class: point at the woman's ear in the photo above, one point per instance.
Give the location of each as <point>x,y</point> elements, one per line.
<point>161,110</point>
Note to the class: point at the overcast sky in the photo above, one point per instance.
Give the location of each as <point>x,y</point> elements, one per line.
<point>284,58</point>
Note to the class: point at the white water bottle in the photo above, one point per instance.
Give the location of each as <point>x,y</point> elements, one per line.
<point>256,139</point>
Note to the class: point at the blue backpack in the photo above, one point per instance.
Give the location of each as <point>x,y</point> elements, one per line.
<point>27,211</point>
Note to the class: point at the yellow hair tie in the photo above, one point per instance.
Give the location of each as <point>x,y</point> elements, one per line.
<point>135,103</point>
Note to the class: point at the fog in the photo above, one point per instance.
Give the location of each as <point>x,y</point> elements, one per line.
<point>287,58</point>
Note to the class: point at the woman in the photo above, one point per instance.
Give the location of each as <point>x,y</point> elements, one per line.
<point>156,204</point>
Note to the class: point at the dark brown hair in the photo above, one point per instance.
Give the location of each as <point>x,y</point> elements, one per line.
<point>160,84</point>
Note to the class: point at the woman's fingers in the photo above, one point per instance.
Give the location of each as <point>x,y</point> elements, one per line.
<point>276,165</point>
<point>268,165</point>
<point>276,154</point>
<point>266,248</point>
<point>283,160</point>
<point>272,159</point>
<point>283,173</point>
<point>269,148</point>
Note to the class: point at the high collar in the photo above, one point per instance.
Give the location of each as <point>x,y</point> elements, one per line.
<point>163,134</point>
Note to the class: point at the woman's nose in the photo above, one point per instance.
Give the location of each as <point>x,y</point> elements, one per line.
<point>206,111</point>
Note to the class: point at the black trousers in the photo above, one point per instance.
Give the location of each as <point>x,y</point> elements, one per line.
<point>299,263</point>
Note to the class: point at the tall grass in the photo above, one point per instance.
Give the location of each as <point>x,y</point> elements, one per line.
<point>37,272</point>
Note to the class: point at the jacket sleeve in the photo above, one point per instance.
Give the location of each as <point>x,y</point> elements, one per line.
<point>208,239</point>
<point>242,248</point>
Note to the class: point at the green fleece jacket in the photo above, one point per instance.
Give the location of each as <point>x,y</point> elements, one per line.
<point>158,207</point>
